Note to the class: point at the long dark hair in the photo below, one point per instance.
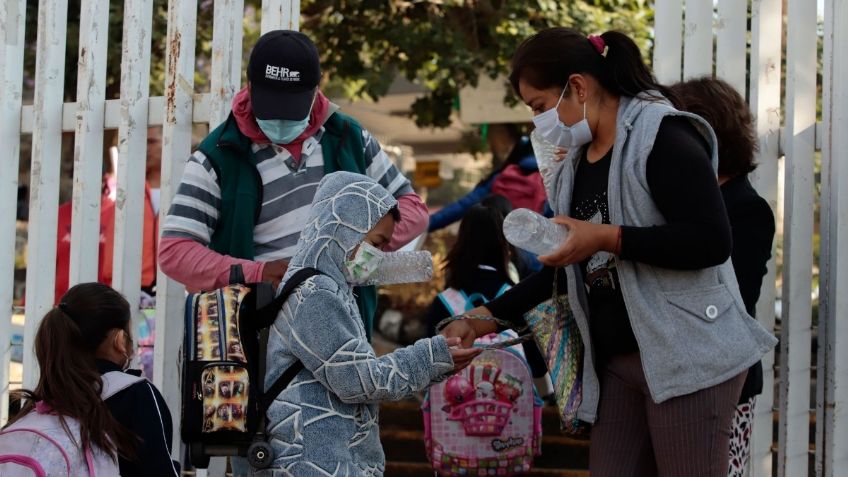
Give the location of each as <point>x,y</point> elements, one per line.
<point>65,346</point>
<point>725,109</point>
<point>480,242</point>
<point>548,58</point>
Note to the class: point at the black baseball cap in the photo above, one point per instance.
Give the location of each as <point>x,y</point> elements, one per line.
<point>284,73</point>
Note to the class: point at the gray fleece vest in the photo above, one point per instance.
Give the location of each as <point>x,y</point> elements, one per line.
<point>691,325</point>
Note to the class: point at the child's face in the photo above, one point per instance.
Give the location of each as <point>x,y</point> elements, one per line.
<point>381,234</point>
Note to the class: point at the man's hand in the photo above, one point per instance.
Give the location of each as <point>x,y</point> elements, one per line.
<point>273,272</point>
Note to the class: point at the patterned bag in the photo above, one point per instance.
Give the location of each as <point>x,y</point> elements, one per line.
<point>555,330</point>
<point>486,419</point>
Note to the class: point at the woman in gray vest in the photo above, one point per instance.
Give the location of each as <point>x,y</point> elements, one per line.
<point>668,341</point>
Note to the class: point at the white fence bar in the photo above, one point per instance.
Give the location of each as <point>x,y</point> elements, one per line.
<point>12,20</point>
<point>832,422</point>
<point>668,40</point>
<point>44,179</point>
<point>132,148</point>
<point>88,146</point>
<point>155,117</point>
<point>731,33</point>
<point>280,15</point>
<point>698,39</point>
<point>765,94</point>
<point>793,435</point>
<point>227,33</point>
<point>176,147</point>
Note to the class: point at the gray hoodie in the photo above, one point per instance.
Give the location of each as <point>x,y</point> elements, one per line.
<point>326,421</point>
<point>691,325</point>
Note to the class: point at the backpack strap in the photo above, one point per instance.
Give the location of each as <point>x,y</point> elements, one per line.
<point>266,315</point>
<point>454,300</point>
<point>115,382</point>
<point>288,376</point>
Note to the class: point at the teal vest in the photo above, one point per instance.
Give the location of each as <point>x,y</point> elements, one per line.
<point>230,153</point>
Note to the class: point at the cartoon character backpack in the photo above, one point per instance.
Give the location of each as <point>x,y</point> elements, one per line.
<point>38,445</point>
<point>487,419</point>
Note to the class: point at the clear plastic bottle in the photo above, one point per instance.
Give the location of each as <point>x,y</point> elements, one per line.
<point>533,232</point>
<point>545,153</point>
<point>403,267</point>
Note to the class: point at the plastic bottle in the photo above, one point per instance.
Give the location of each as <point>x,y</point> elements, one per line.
<point>533,232</point>
<point>545,153</point>
<point>403,267</point>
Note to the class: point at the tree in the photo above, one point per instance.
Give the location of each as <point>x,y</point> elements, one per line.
<point>446,45</point>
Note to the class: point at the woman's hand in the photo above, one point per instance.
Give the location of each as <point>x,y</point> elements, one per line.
<point>584,240</point>
<point>559,154</point>
<point>470,329</point>
<point>462,357</point>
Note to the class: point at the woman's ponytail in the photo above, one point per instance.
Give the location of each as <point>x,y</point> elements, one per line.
<point>548,58</point>
<point>624,71</point>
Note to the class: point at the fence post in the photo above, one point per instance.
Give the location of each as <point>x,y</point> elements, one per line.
<point>832,402</point>
<point>227,33</point>
<point>132,148</point>
<point>698,39</point>
<point>44,179</point>
<point>88,146</point>
<point>280,15</point>
<point>766,54</point>
<point>668,40</point>
<point>731,41</point>
<point>12,20</point>
<point>796,323</point>
<point>176,147</point>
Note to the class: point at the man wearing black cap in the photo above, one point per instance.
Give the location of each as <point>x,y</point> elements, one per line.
<point>246,191</point>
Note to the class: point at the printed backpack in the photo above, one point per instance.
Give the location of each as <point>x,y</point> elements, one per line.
<point>523,190</point>
<point>487,419</point>
<point>37,445</point>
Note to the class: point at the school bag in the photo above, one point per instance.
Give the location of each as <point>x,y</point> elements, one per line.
<point>224,400</point>
<point>487,419</point>
<point>524,190</point>
<point>37,445</point>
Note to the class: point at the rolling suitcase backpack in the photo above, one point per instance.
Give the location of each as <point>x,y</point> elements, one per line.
<point>224,403</point>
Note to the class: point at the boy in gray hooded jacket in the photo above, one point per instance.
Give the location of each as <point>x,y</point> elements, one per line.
<point>326,421</point>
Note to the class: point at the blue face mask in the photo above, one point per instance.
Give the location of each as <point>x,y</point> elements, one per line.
<point>282,131</point>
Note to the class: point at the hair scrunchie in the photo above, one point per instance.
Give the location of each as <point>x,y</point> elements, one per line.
<point>600,45</point>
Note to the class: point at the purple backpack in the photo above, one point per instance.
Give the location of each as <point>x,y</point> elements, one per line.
<point>37,445</point>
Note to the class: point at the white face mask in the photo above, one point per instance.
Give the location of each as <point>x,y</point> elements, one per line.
<point>554,131</point>
<point>363,264</point>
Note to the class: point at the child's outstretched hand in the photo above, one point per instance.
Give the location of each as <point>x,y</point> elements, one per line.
<point>462,357</point>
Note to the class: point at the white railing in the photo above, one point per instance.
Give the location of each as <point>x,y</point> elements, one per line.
<point>689,29</point>
<point>686,32</point>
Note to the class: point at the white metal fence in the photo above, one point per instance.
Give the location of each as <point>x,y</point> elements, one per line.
<point>692,39</point>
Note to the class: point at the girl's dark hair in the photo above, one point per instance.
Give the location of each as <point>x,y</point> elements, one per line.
<point>65,346</point>
<point>548,58</point>
<point>725,109</point>
<point>480,242</point>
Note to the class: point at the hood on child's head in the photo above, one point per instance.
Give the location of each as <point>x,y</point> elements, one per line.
<point>345,208</point>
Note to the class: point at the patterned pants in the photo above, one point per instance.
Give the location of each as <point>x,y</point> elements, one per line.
<point>740,439</point>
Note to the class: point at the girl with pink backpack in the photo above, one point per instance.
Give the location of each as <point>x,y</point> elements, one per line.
<point>87,416</point>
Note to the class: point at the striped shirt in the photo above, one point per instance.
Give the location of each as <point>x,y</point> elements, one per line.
<point>287,193</point>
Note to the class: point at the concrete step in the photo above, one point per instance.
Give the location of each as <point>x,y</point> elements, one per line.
<point>422,469</point>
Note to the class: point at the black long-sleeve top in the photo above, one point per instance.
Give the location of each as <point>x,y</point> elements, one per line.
<point>752,224</point>
<point>696,234</point>
<point>142,410</point>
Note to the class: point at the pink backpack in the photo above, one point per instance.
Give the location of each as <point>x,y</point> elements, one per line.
<point>524,191</point>
<point>487,419</point>
<point>38,446</point>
